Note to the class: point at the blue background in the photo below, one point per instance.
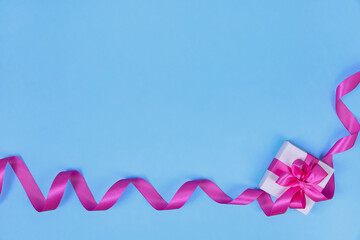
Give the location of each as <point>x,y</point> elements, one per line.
<point>173,91</point>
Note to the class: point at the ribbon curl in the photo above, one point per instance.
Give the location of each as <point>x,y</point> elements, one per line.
<point>270,208</point>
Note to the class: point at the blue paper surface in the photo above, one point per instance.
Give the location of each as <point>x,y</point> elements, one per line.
<point>173,91</point>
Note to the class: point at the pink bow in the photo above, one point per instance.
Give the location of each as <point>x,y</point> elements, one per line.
<point>303,179</point>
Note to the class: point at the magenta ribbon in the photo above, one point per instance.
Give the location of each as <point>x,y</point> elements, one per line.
<point>291,198</point>
<point>302,178</point>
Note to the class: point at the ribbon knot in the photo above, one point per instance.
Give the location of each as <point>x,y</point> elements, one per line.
<point>302,179</point>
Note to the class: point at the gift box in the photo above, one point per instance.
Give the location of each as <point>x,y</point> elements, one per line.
<point>285,158</point>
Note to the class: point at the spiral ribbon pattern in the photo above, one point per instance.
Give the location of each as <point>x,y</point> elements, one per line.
<point>56,192</point>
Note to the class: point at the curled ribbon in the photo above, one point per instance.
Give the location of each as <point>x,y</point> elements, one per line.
<point>303,184</point>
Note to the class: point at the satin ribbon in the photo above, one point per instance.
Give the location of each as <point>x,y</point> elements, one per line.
<point>301,179</point>
<point>40,203</point>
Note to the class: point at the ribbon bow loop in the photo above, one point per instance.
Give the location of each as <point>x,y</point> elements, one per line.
<point>303,179</point>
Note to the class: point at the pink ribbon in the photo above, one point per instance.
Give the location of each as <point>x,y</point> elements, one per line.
<point>302,178</point>
<point>291,198</point>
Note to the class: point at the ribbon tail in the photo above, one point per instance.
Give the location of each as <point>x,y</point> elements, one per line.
<point>298,200</point>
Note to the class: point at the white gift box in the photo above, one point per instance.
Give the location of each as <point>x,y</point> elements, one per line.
<point>287,154</point>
